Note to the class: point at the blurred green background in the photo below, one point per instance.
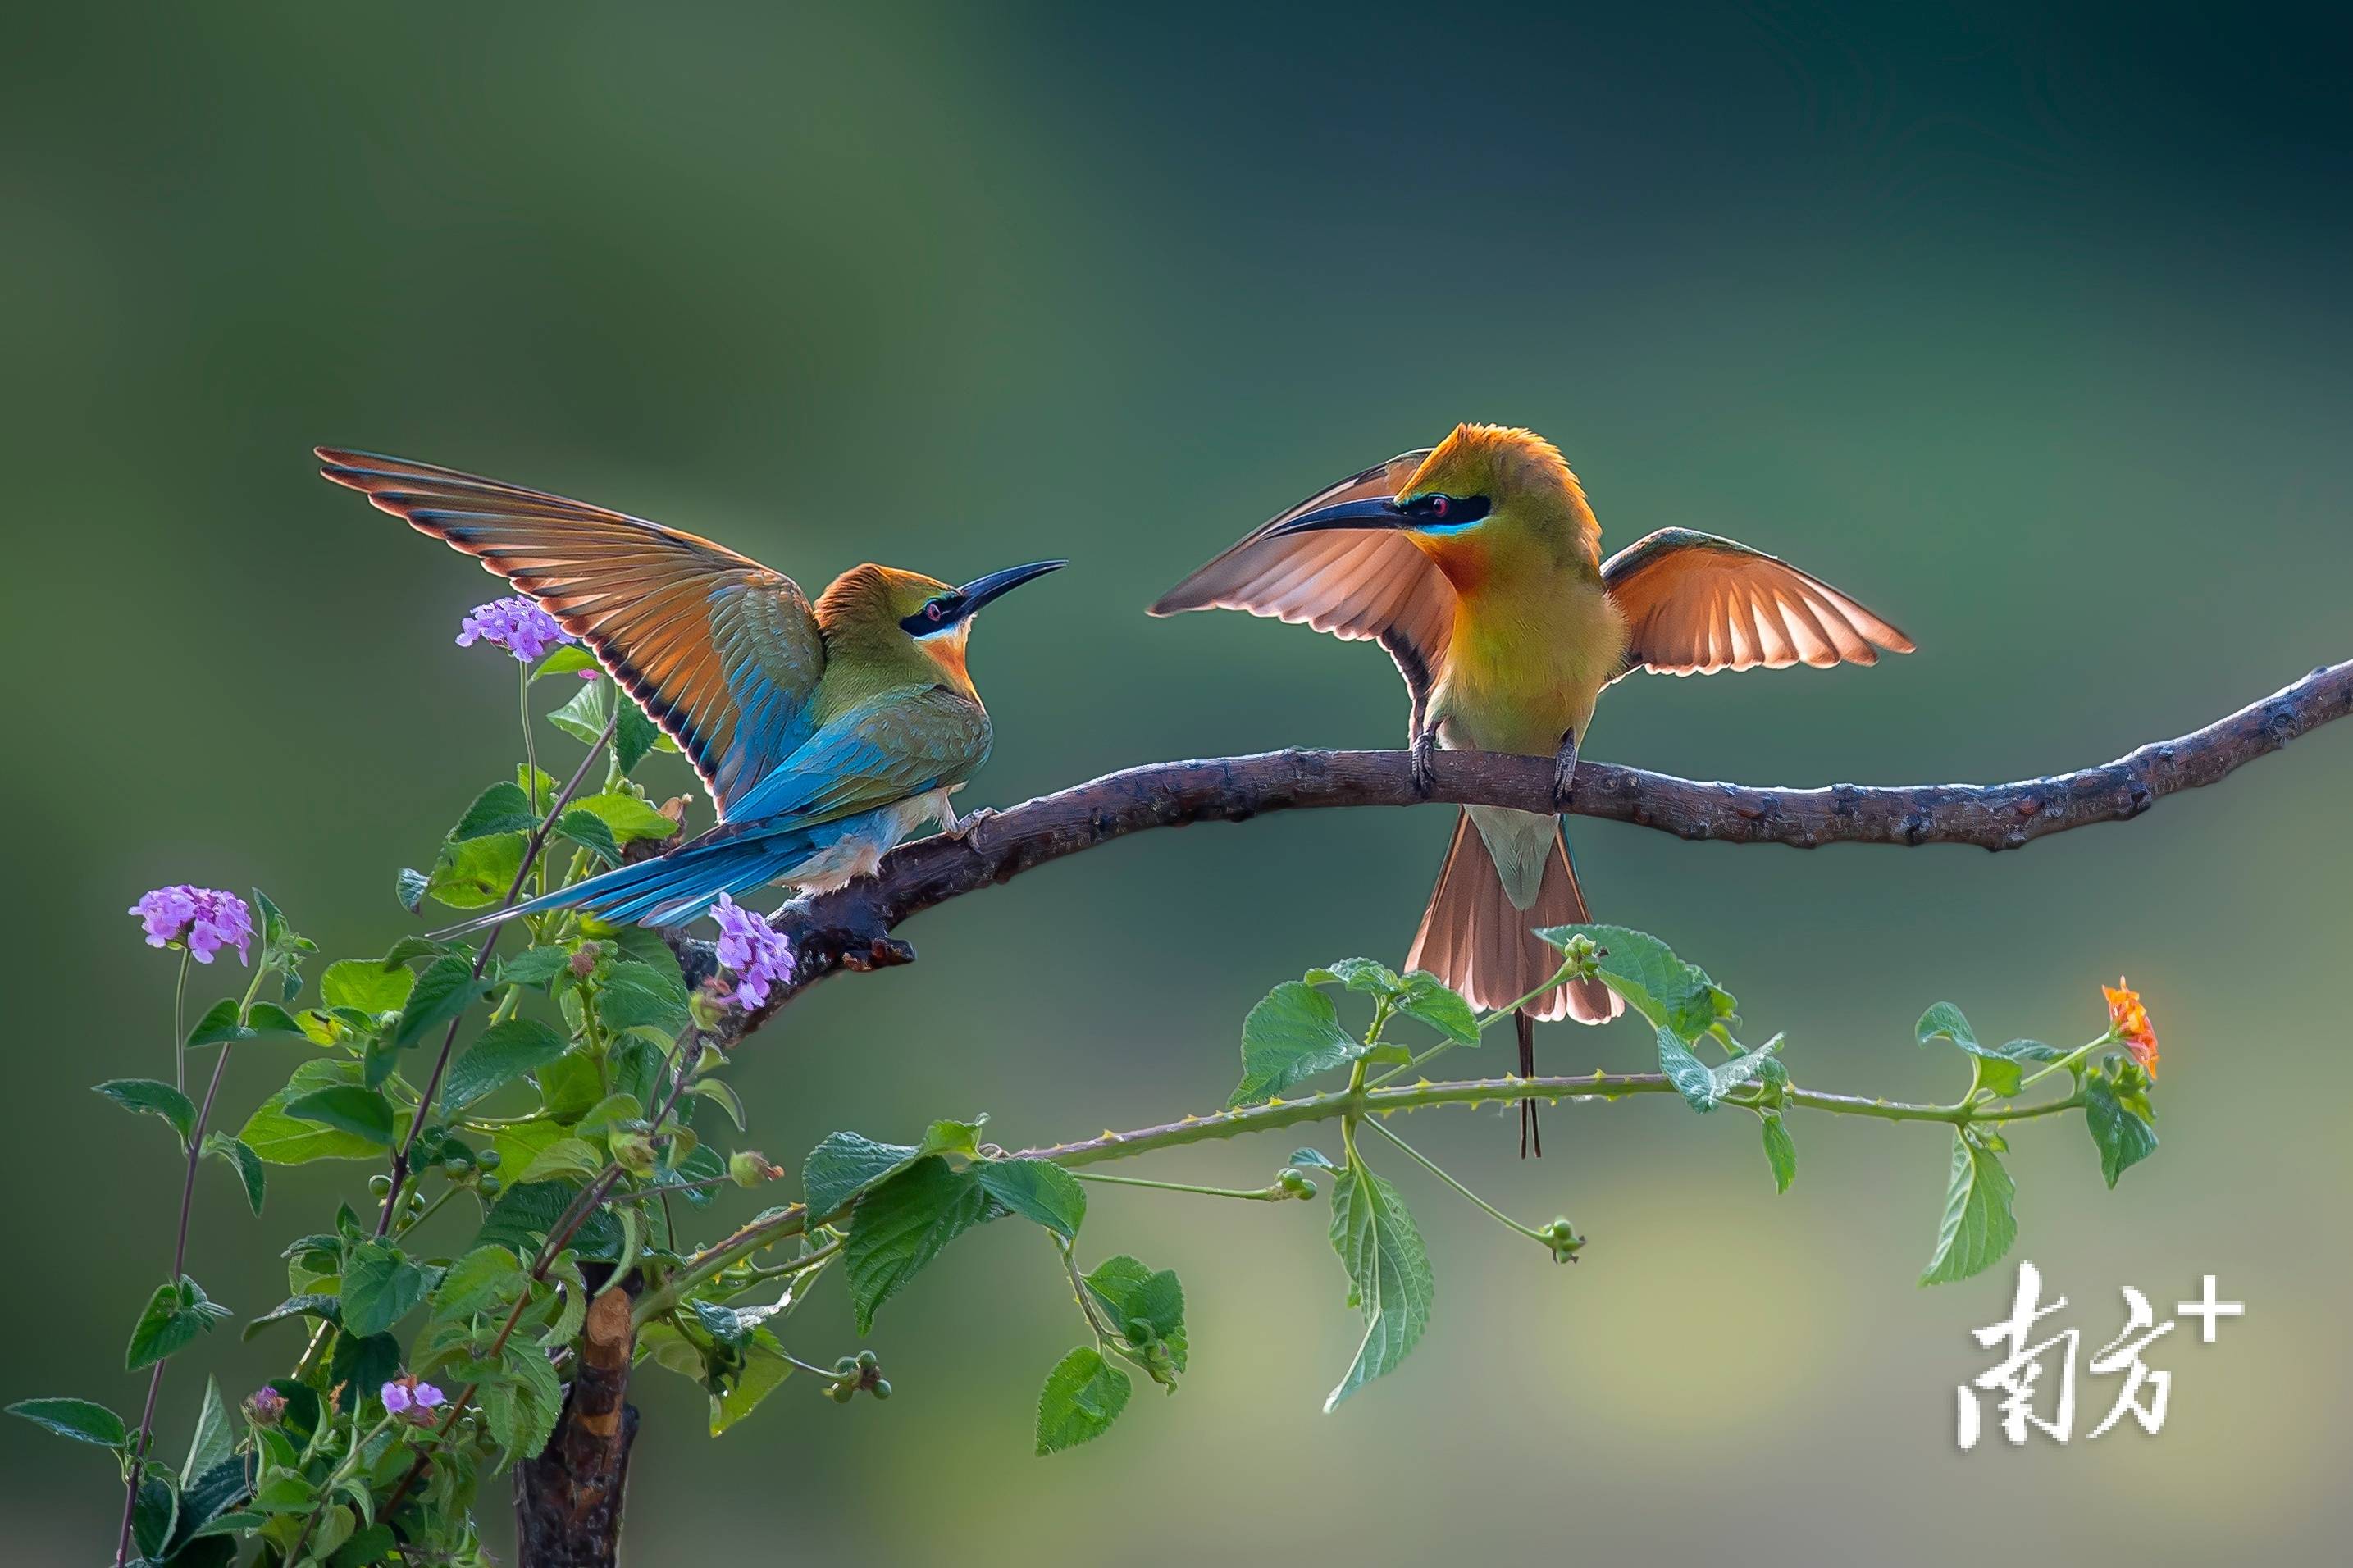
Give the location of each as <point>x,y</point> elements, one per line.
<point>2031,331</point>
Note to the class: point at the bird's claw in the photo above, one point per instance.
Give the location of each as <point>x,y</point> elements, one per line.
<point>1421,755</point>
<point>1564,773</point>
<point>961,828</point>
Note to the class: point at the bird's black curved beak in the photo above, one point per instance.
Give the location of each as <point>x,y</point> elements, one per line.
<point>981,590</point>
<point>1370,512</point>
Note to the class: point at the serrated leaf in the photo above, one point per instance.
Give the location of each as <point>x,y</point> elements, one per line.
<point>240,1157</point>
<point>844,1164</point>
<point>1429,1000</point>
<point>446,989</point>
<point>902,1224</point>
<point>485,1278</point>
<point>565,1157</point>
<point>588,830</point>
<point>1978,1224</point>
<point>348,1108</point>
<point>1670,992</point>
<point>368,985</point>
<point>381,1286</point>
<point>1780,1153</point>
<point>506,1051</point>
<point>83,1420</point>
<point>2120,1133</point>
<point>502,808</point>
<point>310,1304</point>
<point>175,1314</point>
<point>1390,1270</point>
<point>533,965</point>
<point>960,1139</point>
<point>633,737</point>
<point>638,995</point>
<point>520,1406</point>
<point>146,1096</point>
<point>1703,1086</point>
<point>527,1211</point>
<point>1996,1068</point>
<point>1131,1291</point>
<point>1357,975</point>
<point>409,888</point>
<point>476,873</point>
<point>155,1514</point>
<point>1080,1399</point>
<point>1037,1190</point>
<point>1292,1034</point>
<point>284,1139</point>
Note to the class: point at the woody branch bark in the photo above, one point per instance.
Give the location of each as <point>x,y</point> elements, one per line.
<point>851,927</point>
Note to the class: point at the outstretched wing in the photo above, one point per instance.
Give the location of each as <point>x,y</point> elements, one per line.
<point>1359,585</point>
<point>722,652</point>
<point>894,745</point>
<point>1695,604</point>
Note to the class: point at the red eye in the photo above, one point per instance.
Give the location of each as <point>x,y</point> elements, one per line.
<point>931,612</point>
<point>1438,505</point>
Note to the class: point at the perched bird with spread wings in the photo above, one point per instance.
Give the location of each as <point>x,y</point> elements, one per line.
<point>824,733</point>
<point>1478,565</point>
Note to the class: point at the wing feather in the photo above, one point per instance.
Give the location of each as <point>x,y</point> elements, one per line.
<point>1360,586</point>
<point>1695,604</point>
<point>719,650</point>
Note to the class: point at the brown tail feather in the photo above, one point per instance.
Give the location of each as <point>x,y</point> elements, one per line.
<point>1475,941</point>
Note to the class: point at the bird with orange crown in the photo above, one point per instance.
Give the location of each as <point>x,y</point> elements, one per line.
<point>1477,564</point>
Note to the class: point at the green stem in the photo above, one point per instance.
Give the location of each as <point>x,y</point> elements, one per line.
<point>2069,1060</point>
<point>1252,1195</point>
<point>180,1025</point>
<point>1435,1169</point>
<point>1443,1047</point>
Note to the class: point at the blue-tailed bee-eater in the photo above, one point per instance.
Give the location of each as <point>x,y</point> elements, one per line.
<point>824,733</point>
<point>1478,565</point>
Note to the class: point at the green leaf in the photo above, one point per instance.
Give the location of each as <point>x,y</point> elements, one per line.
<point>476,873</point>
<point>486,1278</point>
<point>1428,999</point>
<point>1037,1190</point>
<point>329,1308</point>
<point>410,887</point>
<point>569,659</point>
<point>83,1420</point>
<point>610,1114</point>
<point>506,1050</point>
<point>366,983</point>
<point>527,1211</point>
<point>347,1108</point>
<point>583,717</point>
<point>628,817</point>
<point>523,1405</point>
<point>534,965</point>
<point>381,1286</point>
<point>1292,1034</point>
<point>1357,975</point>
<point>632,738</point>
<point>764,1370</point>
<point>569,1085</point>
<point>282,1138</point>
<point>1994,1068</point>
<point>588,830</point>
<point>902,1224</point>
<point>1705,1087</point>
<point>565,1157</point>
<point>961,1138</point>
<point>1131,1292</point>
<point>145,1095</point>
<point>2119,1131</point>
<point>1388,1270</point>
<point>154,1515</point>
<point>174,1316</point>
<point>638,995</point>
<point>1780,1153</point>
<point>212,1441</point>
<point>1081,1397</point>
<point>502,808</point>
<point>221,1025</point>
<point>375,1544</point>
<point>1978,1224</point>
<point>240,1157</point>
<point>1665,990</point>
<point>843,1166</point>
<point>446,989</point>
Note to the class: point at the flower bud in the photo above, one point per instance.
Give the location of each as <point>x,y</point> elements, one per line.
<point>489,1159</point>
<point>1562,1238</point>
<point>633,1152</point>
<point>584,961</point>
<point>265,1406</point>
<point>1295,1181</point>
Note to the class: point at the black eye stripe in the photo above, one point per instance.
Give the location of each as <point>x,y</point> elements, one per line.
<point>1452,511</point>
<point>935,614</point>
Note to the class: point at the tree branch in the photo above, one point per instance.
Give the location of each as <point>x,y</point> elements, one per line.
<point>851,927</point>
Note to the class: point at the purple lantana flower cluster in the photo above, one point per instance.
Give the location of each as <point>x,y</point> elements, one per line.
<point>202,919</point>
<point>409,1397</point>
<point>751,950</point>
<point>518,626</point>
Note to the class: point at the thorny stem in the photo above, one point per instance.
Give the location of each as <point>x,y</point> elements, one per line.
<point>400,1164</point>
<point>180,1241</point>
<point>1443,1047</point>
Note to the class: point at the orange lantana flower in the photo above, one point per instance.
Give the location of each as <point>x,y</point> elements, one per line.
<point>2130,1021</point>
